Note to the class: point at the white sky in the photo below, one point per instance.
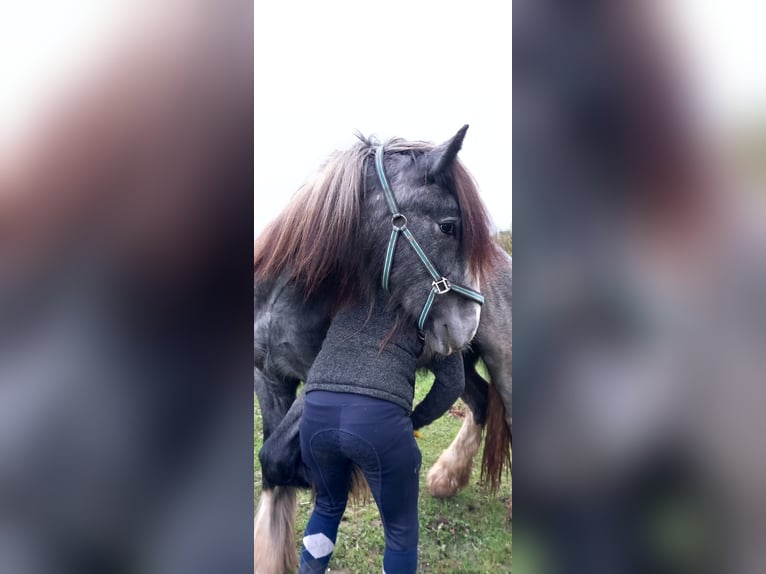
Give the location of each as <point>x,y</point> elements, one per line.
<point>415,69</point>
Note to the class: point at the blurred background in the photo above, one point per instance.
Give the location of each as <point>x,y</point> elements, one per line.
<point>129,152</point>
<point>125,286</point>
<point>640,280</point>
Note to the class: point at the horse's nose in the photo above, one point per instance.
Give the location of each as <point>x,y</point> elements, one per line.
<point>450,343</point>
<point>456,336</point>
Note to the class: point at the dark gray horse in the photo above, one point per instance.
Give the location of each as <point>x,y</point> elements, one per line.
<point>328,248</point>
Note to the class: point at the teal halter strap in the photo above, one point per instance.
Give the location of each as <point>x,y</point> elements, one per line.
<point>440,285</point>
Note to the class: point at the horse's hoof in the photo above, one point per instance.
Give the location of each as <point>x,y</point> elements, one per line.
<point>442,483</point>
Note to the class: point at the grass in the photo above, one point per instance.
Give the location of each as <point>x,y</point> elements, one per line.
<point>468,534</point>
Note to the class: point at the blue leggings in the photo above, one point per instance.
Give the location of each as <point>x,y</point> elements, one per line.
<point>341,429</point>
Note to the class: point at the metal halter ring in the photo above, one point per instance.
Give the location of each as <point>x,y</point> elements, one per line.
<point>398,218</point>
<point>442,286</point>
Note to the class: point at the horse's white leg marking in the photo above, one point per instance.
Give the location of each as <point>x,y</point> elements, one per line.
<point>453,469</point>
<point>274,543</point>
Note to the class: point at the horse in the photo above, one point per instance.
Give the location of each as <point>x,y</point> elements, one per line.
<point>333,244</point>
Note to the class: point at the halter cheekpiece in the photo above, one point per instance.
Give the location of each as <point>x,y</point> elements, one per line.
<point>440,285</point>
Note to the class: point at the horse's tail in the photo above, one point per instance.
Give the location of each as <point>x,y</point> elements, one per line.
<point>497,442</point>
<point>274,545</point>
<point>359,493</point>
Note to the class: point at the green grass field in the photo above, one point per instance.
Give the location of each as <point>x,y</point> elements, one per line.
<point>469,534</point>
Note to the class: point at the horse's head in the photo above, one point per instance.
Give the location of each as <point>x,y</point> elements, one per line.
<point>441,234</point>
<point>338,235</point>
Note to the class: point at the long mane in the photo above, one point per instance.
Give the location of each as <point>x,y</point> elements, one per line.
<point>314,241</point>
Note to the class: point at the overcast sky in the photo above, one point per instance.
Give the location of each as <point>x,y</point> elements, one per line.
<point>419,70</point>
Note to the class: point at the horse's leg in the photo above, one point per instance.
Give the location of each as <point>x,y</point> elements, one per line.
<point>453,469</point>
<point>274,398</point>
<point>280,455</point>
<point>274,532</point>
<point>475,395</point>
<point>288,334</point>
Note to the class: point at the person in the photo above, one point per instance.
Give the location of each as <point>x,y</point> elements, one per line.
<point>359,396</point>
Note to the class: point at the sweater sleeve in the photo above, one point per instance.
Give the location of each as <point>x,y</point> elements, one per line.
<point>448,386</point>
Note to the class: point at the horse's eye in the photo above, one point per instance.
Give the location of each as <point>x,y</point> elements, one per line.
<point>448,228</point>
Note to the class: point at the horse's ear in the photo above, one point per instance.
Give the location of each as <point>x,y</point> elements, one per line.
<point>442,156</point>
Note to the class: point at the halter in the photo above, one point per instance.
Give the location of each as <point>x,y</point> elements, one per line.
<point>440,285</point>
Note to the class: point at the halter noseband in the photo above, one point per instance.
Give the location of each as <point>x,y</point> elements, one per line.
<point>440,285</point>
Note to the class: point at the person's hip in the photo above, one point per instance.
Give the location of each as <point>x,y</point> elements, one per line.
<point>374,420</point>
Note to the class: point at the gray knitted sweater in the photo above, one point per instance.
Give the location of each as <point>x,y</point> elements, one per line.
<point>352,361</point>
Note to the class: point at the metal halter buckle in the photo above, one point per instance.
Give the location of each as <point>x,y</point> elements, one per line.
<point>442,286</point>
<point>398,221</point>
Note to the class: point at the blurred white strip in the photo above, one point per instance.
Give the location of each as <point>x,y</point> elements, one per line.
<point>44,46</point>
<point>725,46</point>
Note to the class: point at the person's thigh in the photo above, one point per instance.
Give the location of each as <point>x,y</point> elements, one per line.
<point>398,493</point>
<point>380,440</point>
<point>321,451</point>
